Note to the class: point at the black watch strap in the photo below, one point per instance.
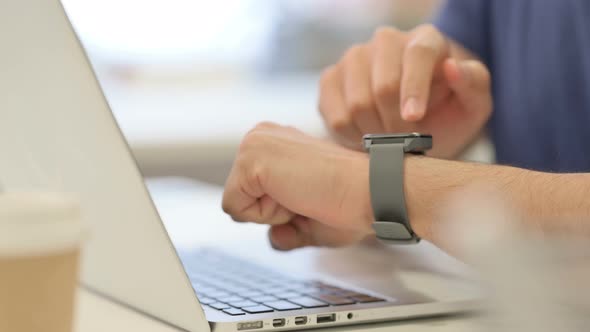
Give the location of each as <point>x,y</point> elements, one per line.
<point>386,181</point>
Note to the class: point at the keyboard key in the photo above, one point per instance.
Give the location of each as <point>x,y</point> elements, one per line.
<point>231,298</point>
<point>282,305</point>
<point>252,294</point>
<point>264,298</point>
<point>234,312</point>
<point>206,300</point>
<point>277,290</point>
<point>219,284</point>
<point>219,306</point>
<point>197,284</point>
<point>308,302</point>
<point>205,290</point>
<point>209,278</point>
<point>217,295</point>
<point>347,293</point>
<point>257,309</point>
<point>296,285</point>
<point>334,300</point>
<point>253,283</point>
<point>238,289</point>
<point>366,299</point>
<point>308,290</point>
<point>287,295</point>
<point>241,304</point>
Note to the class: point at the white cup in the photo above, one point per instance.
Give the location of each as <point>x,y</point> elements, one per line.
<point>40,239</point>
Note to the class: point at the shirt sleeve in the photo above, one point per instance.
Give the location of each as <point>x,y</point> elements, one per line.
<point>467,22</point>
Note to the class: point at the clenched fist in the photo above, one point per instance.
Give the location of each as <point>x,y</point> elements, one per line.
<point>311,191</point>
<point>415,81</point>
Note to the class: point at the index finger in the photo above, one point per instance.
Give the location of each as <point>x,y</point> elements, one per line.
<point>388,49</point>
<point>423,54</point>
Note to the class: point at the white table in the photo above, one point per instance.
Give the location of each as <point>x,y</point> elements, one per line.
<point>175,198</point>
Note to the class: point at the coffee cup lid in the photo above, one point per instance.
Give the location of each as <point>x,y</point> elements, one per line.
<point>39,223</point>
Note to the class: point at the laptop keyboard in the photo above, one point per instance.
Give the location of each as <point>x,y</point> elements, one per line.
<point>238,287</point>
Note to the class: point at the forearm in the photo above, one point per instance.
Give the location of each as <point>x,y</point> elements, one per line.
<point>550,203</point>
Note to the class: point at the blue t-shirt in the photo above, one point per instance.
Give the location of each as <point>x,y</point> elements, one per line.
<point>538,52</point>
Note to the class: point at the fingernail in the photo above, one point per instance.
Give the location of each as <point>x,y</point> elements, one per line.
<point>465,73</point>
<point>274,246</point>
<point>411,109</point>
<point>462,72</point>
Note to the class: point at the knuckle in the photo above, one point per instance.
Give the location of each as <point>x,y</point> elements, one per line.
<point>265,125</point>
<point>387,89</point>
<point>257,134</point>
<point>340,124</point>
<point>237,218</point>
<point>428,39</point>
<point>323,108</point>
<point>355,49</point>
<point>353,53</point>
<point>486,76</point>
<point>254,175</point>
<point>358,106</point>
<point>227,207</point>
<point>480,74</point>
<point>244,144</point>
<point>292,129</point>
<point>428,30</point>
<point>327,76</point>
<point>423,47</point>
<point>250,140</point>
<point>383,34</point>
<point>327,84</point>
<point>271,214</point>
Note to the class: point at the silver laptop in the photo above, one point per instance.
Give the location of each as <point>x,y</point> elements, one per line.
<point>58,134</point>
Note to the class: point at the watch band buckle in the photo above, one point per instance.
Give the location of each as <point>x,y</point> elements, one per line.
<point>393,232</point>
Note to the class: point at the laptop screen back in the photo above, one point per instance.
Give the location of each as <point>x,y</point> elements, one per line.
<point>58,134</point>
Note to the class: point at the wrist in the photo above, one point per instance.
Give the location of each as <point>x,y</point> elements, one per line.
<point>419,204</point>
<point>416,193</point>
<point>362,192</point>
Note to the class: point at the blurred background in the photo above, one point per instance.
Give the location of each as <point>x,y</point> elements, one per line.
<point>187,79</point>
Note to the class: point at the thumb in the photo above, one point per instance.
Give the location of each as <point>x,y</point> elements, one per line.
<point>302,232</point>
<point>470,80</point>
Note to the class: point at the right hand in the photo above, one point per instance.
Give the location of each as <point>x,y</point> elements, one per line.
<point>403,82</point>
<point>327,204</point>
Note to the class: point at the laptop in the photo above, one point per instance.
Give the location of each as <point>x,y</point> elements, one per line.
<point>58,134</point>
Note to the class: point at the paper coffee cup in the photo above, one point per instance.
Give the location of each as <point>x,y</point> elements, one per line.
<point>40,238</point>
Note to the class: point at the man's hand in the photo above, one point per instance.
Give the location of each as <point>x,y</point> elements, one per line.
<point>415,81</point>
<point>311,191</point>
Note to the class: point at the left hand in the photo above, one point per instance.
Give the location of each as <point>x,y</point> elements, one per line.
<point>310,191</point>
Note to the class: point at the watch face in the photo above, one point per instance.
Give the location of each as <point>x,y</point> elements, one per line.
<point>401,135</point>
<point>413,142</point>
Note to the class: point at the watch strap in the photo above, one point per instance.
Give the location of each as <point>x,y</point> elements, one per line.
<point>386,181</point>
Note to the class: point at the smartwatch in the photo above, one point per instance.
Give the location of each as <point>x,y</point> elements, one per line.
<point>386,180</point>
